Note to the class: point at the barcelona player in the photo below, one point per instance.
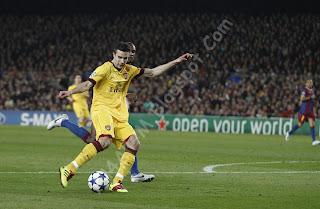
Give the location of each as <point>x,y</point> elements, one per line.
<point>306,111</point>
<point>79,103</point>
<point>109,113</point>
<point>87,137</point>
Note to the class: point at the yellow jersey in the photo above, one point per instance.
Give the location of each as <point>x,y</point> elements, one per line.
<point>110,89</point>
<point>78,99</point>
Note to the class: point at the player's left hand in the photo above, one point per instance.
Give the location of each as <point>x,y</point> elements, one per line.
<point>183,57</point>
<point>313,96</point>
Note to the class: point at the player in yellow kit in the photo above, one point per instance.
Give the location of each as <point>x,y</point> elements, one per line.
<point>79,102</point>
<point>109,113</point>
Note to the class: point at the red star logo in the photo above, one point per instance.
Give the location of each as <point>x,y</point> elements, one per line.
<point>162,123</point>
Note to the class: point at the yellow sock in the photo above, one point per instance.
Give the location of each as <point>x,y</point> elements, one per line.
<point>126,163</point>
<point>86,154</point>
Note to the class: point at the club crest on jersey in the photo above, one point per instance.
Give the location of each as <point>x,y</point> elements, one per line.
<point>108,127</point>
<point>125,75</point>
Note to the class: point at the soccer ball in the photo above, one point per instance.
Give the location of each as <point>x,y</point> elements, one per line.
<point>98,181</point>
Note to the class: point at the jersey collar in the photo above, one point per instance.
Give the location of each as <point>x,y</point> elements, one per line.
<point>115,66</point>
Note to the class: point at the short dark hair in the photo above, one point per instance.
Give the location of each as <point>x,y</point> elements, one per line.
<point>121,46</point>
<point>130,43</point>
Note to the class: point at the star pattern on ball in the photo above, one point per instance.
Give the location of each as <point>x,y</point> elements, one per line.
<point>102,176</point>
<point>92,181</point>
<point>101,187</point>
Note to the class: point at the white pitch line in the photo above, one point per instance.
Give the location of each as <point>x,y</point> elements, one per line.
<point>209,169</point>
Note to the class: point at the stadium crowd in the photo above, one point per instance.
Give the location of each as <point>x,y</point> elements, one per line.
<point>257,70</point>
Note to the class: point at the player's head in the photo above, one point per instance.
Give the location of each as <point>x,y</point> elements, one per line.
<point>132,51</point>
<point>309,83</point>
<point>121,53</point>
<point>77,79</point>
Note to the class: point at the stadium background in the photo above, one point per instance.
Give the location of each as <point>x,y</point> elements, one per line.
<point>257,69</point>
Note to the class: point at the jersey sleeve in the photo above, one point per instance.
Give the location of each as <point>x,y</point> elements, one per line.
<point>136,72</point>
<point>141,71</point>
<point>99,73</point>
<point>70,88</point>
<point>303,92</point>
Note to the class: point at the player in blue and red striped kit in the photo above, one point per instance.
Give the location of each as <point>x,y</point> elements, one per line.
<point>306,112</point>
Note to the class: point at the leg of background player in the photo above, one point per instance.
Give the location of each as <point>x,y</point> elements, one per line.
<point>312,132</point>
<point>82,121</point>
<point>137,176</point>
<point>293,130</point>
<point>63,121</point>
<point>80,132</point>
<point>134,170</point>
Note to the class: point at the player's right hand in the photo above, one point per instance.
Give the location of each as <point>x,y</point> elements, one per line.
<point>63,94</point>
<point>183,57</point>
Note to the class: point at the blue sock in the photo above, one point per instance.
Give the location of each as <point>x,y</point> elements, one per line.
<point>293,129</point>
<point>313,134</point>
<point>80,132</point>
<point>134,169</point>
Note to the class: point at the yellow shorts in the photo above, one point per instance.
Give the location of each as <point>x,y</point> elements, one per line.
<point>105,124</point>
<point>81,110</point>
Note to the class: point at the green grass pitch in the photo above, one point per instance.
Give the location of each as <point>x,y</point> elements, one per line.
<point>289,178</point>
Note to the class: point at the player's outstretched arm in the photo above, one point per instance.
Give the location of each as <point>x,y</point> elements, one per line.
<point>165,67</point>
<point>82,87</point>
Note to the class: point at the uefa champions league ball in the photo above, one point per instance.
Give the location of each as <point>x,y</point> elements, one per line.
<point>98,181</point>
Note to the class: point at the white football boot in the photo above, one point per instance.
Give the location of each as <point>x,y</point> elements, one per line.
<point>141,177</point>
<point>57,122</point>
<point>315,142</point>
<point>287,136</point>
